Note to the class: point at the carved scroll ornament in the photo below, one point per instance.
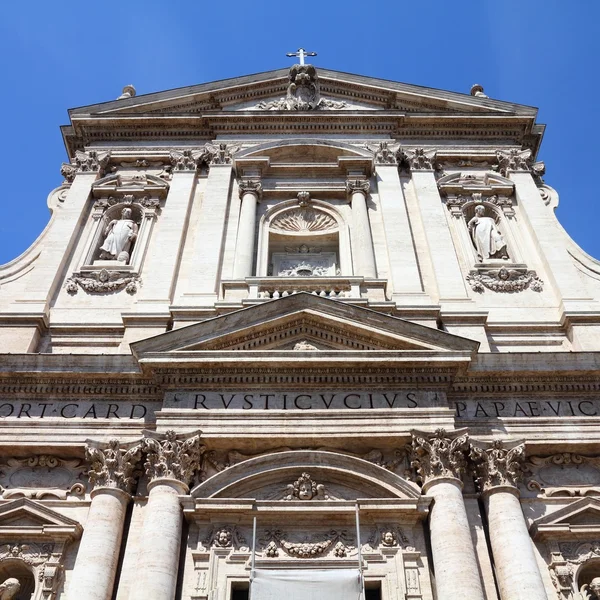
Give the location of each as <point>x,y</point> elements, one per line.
<point>565,474</point>
<point>42,476</point>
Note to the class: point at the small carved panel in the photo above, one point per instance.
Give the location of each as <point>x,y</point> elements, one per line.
<point>42,476</point>
<point>564,474</point>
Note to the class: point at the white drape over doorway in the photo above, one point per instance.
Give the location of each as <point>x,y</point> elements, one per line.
<point>305,584</point>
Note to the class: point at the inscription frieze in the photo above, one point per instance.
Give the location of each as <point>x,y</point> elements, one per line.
<point>310,400</point>
<point>78,409</point>
<point>526,408</point>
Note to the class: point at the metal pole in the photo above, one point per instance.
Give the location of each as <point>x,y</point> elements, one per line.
<point>358,545</point>
<point>253,557</point>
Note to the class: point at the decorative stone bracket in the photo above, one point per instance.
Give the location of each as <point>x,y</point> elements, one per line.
<point>85,162</point>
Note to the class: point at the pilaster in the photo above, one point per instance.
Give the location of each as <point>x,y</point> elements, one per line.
<point>407,286</point>
<point>449,278</point>
<point>203,288</point>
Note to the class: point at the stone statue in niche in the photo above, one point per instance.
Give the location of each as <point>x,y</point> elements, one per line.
<point>120,235</point>
<point>10,588</point>
<point>486,236</point>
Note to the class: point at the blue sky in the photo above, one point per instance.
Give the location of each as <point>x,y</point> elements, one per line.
<point>58,55</point>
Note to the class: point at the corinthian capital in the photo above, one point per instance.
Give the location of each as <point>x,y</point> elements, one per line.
<point>420,159</point>
<point>496,464</point>
<point>358,185</point>
<point>113,466</point>
<point>250,187</point>
<point>172,456</point>
<point>186,160</point>
<point>439,455</point>
<point>84,162</point>
<point>513,160</point>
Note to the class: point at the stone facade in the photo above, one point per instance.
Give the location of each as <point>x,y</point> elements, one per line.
<point>295,296</point>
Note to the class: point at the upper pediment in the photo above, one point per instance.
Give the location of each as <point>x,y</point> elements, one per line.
<point>305,326</point>
<point>32,517</point>
<point>337,91</point>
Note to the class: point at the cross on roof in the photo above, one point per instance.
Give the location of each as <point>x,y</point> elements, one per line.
<point>301,54</point>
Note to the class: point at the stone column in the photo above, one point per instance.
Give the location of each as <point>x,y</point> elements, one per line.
<point>171,462</point>
<point>362,250</point>
<point>440,460</point>
<point>449,278</point>
<point>112,473</point>
<point>498,469</point>
<point>250,193</point>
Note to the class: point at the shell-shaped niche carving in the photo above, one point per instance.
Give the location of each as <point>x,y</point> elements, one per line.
<point>303,220</point>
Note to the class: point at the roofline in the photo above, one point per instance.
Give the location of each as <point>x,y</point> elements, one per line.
<point>283,73</point>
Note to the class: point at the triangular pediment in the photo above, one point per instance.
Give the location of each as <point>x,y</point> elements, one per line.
<point>305,324</point>
<point>27,515</point>
<point>341,91</point>
<point>579,517</point>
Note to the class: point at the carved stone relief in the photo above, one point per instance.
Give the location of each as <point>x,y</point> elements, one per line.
<point>496,464</point>
<point>103,282</point>
<point>385,153</point>
<point>439,454</point>
<point>505,279</point>
<point>387,536</point>
<point>42,476</point>
<point>305,488</point>
<point>303,220</point>
<point>564,474</point>
<point>305,546</point>
<point>566,558</point>
<point>303,93</point>
<point>225,536</point>
<point>84,162</point>
<point>113,466</point>
<point>513,160</point>
<point>420,159</point>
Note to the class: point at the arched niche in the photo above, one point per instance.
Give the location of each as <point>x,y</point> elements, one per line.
<point>492,211</point>
<point>587,572</point>
<point>18,569</point>
<point>250,478</point>
<point>303,240</point>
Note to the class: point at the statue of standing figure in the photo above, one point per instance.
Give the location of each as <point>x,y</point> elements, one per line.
<point>486,236</point>
<point>120,234</point>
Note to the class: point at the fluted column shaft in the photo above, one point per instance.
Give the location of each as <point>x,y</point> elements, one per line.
<point>439,459</point>
<point>362,238</point>
<point>517,571</point>
<point>93,576</point>
<point>244,249</point>
<point>160,541</point>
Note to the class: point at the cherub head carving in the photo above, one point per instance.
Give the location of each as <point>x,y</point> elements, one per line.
<point>223,538</point>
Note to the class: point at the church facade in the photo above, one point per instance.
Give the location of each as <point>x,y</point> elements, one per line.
<point>295,321</point>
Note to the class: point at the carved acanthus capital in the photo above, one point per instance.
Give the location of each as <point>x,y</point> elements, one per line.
<point>186,160</point>
<point>113,466</point>
<point>385,153</point>
<point>250,187</point>
<point>420,159</point>
<point>218,154</point>
<point>513,160</point>
<point>497,464</point>
<point>84,162</point>
<point>172,456</point>
<point>439,455</point>
<point>354,186</point>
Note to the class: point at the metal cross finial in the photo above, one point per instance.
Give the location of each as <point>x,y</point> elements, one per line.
<point>301,54</point>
